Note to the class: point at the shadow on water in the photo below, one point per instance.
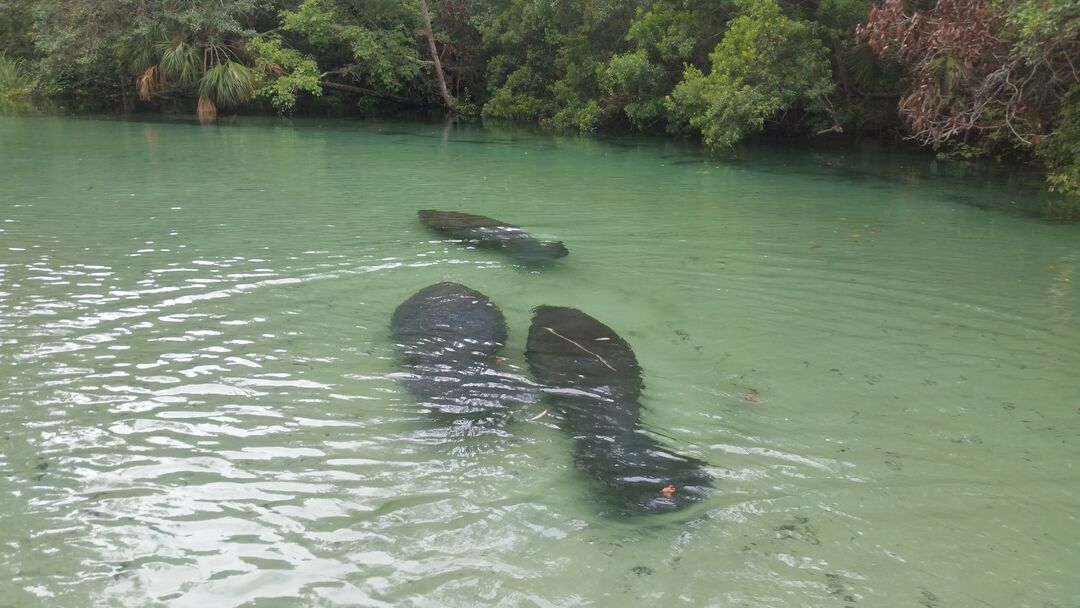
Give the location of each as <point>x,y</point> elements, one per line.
<point>1016,190</point>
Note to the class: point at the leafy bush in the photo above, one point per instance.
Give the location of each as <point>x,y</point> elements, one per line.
<point>282,72</point>
<point>635,83</point>
<point>765,64</point>
<point>15,79</point>
<point>1061,151</point>
<point>375,40</point>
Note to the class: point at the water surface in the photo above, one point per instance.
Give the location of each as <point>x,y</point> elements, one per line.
<point>198,408</point>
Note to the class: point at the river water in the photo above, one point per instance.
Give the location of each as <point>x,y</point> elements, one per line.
<point>876,356</point>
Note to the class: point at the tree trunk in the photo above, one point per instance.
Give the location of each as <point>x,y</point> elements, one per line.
<point>369,92</point>
<point>435,54</point>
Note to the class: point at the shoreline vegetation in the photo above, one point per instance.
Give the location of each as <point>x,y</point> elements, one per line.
<point>966,79</point>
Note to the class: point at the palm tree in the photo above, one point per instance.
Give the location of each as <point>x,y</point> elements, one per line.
<point>184,61</point>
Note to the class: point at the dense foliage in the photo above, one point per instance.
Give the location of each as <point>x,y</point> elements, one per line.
<point>765,64</point>
<point>997,77</point>
<point>14,77</point>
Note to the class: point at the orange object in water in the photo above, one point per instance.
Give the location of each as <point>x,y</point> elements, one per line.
<point>668,491</point>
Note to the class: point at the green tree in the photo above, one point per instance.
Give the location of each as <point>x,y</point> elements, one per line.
<point>865,93</point>
<point>99,49</point>
<point>16,21</point>
<point>374,47</point>
<point>372,41</point>
<point>1061,151</point>
<point>282,72</point>
<point>77,43</point>
<point>766,64</point>
<point>521,39</point>
<point>196,45</point>
<point>544,58</point>
<point>664,35</point>
<point>1047,34</point>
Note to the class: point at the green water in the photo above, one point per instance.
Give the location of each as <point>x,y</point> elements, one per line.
<point>877,358</point>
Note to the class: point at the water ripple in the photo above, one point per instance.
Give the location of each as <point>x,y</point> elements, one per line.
<point>201,403</point>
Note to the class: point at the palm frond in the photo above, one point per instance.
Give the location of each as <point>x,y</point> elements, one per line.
<point>863,64</point>
<point>180,62</point>
<point>151,80</point>
<point>228,83</point>
<point>139,57</point>
<point>142,50</point>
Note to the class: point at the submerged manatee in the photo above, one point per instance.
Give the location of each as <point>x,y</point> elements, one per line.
<point>595,381</point>
<point>449,336</point>
<point>489,232</point>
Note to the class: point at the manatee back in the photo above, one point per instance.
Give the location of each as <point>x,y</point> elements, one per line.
<point>491,232</point>
<point>569,349</point>
<point>595,380</point>
<point>462,225</point>
<point>449,316</point>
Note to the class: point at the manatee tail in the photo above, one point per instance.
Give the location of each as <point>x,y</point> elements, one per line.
<point>636,473</point>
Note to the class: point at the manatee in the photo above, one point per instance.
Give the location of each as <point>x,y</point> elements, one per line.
<point>449,336</point>
<point>488,232</point>
<point>593,378</point>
